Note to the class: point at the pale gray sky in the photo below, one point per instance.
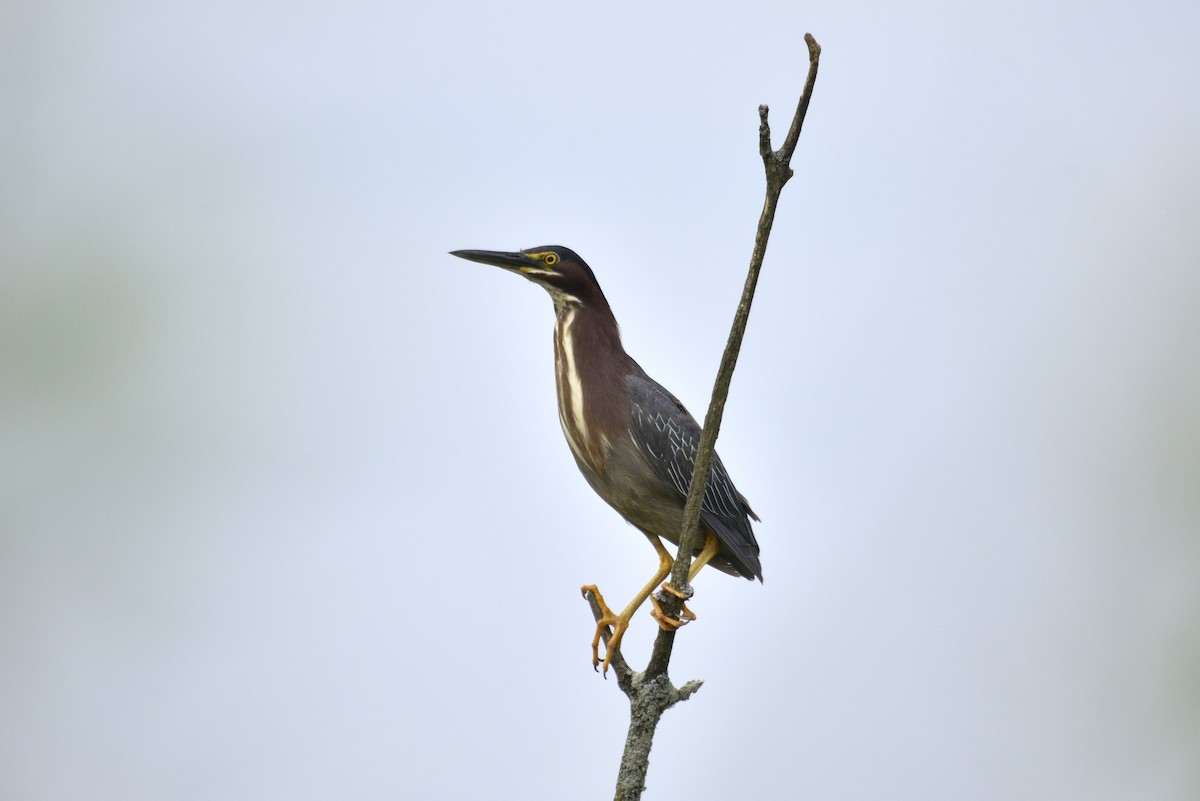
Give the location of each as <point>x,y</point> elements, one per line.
<point>285,510</point>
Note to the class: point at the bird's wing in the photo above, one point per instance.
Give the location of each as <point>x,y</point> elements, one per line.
<point>668,436</point>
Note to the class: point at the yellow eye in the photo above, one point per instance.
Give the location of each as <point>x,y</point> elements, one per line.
<point>550,259</point>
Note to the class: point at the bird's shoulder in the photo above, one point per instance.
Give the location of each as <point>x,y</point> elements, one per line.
<point>657,405</point>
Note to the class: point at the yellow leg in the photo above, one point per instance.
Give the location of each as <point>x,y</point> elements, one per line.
<point>621,622</point>
<point>712,546</point>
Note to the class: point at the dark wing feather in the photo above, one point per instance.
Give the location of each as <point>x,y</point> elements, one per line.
<point>668,436</point>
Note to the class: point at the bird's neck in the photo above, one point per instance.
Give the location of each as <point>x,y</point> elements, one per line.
<point>591,369</point>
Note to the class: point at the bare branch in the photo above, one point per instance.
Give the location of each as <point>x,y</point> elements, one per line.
<point>651,692</point>
<point>777,165</point>
<point>814,58</point>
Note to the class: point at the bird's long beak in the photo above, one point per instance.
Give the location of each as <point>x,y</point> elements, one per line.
<point>509,261</point>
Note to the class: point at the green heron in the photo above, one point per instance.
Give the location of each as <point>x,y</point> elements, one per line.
<point>633,440</point>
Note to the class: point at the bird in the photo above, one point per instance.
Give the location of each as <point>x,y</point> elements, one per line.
<point>633,440</point>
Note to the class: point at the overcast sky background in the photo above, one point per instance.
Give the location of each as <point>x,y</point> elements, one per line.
<point>285,510</point>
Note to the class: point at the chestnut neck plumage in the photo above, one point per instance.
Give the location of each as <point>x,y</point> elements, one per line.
<point>591,369</point>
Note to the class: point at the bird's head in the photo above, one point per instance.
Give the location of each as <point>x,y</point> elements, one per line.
<point>556,269</point>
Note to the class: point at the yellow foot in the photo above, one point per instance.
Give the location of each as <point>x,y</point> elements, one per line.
<point>607,618</point>
<point>665,621</point>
